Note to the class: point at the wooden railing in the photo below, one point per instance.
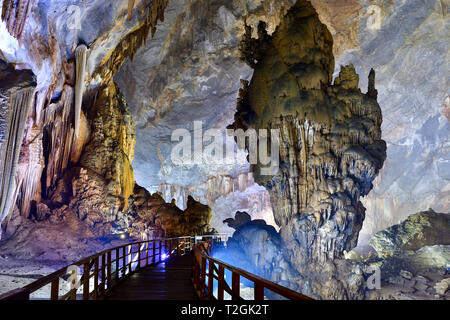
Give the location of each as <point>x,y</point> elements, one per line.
<point>208,271</point>
<point>102,271</point>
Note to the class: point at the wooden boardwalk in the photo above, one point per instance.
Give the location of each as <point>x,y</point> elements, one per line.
<point>169,280</point>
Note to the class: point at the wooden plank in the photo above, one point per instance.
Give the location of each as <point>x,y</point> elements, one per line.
<point>167,281</point>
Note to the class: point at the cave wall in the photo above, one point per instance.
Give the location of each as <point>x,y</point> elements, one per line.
<point>406,42</point>
<point>47,34</point>
<point>16,96</point>
<point>80,137</point>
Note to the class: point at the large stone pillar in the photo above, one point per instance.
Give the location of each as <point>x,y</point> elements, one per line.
<point>330,137</point>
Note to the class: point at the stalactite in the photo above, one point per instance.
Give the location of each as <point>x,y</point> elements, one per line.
<point>81,54</point>
<point>130,9</point>
<point>20,103</point>
<point>60,137</point>
<point>132,41</point>
<point>15,14</point>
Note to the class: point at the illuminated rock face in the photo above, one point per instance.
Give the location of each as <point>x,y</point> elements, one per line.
<point>16,95</point>
<point>330,137</point>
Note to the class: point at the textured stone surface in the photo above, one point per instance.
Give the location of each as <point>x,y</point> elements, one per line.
<point>16,96</point>
<point>330,142</point>
<point>406,42</point>
<point>419,230</point>
<point>180,77</point>
<point>158,219</point>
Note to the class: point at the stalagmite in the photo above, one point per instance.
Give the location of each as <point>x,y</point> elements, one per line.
<point>331,148</point>
<point>81,54</point>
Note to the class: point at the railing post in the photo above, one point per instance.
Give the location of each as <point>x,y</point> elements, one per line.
<point>86,275</point>
<point>220,289</point>
<point>154,251</point>
<point>146,253</point>
<point>124,261</point>
<point>195,271</point>
<point>211,280</point>
<point>96,278</point>
<point>102,284</point>
<point>139,256</point>
<point>259,292</point>
<point>235,286</point>
<point>160,250</point>
<point>203,278</point>
<point>108,276</point>
<point>130,258</point>
<point>117,264</point>
<point>55,289</point>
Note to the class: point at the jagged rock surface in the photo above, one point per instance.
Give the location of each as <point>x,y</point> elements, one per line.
<point>254,246</point>
<point>331,147</point>
<point>193,75</point>
<point>330,139</point>
<point>406,42</point>
<point>157,219</point>
<point>419,230</point>
<point>16,96</point>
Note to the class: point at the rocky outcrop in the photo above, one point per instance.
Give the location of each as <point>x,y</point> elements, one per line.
<point>224,195</point>
<point>255,246</point>
<point>418,230</point>
<point>181,77</point>
<point>16,96</point>
<point>405,41</point>
<point>331,147</point>
<point>330,139</point>
<point>155,218</point>
<point>15,14</point>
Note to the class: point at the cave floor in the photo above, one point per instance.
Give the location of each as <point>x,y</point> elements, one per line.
<point>170,280</point>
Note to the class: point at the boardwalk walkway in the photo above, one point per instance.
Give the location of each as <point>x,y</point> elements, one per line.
<point>169,280</point>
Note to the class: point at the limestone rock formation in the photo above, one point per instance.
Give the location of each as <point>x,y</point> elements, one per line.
<point>330,143</point>
<point>157,219</point>
<point>406,41</point>
<point>255,246</point>
<point>181,77</point>
<point>224,195</point>
<point>330,137</point>
<point>422,229</point>
<point>16,96</point>
<point>239,220</point>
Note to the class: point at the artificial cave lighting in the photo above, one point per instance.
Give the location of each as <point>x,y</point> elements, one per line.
<point>272,149</point>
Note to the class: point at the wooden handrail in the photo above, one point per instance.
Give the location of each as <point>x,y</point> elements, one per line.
<point>206,290</point>
<point>124,263</point>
